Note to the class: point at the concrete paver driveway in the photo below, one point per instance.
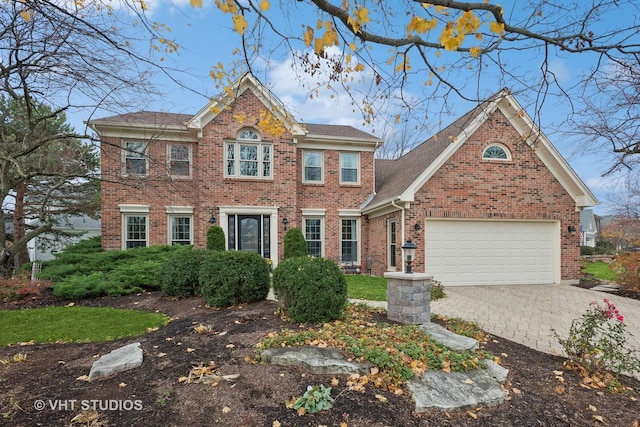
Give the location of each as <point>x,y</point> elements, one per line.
<point>527,313</point>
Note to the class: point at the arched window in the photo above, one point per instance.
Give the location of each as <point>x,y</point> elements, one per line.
<point>248,133</point>
<point>496,152</point>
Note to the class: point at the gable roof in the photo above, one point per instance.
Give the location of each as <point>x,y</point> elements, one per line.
<point>400,179</point>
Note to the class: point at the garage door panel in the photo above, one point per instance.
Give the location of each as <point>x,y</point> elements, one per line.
<point>467,252</point>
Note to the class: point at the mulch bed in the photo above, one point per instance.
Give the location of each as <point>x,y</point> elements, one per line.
<point>152,395</point>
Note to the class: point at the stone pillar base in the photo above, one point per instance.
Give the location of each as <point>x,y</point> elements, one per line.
<point>408,297</point>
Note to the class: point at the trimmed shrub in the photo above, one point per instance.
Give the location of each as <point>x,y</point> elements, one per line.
<point>587,250</point>
<point>215,238</point>
<point>294,244</point>
<point>179,275</point>
<point>233,277</point>
<point>310,290</point>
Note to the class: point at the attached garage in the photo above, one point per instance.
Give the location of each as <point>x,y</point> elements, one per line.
<point>492,252</point>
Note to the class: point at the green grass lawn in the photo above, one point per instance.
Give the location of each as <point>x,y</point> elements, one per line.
<point>74,324</point>
<point>372,288</point>
<point>600,270</point>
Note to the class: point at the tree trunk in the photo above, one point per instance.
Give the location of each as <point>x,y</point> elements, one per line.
<point>22,256</point>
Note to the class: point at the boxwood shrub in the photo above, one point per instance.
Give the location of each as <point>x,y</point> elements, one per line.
<point>233,277</point>
<point>179,275</point>
<point>310,290</point>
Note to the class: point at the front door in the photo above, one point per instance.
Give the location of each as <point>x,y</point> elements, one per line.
<point>249,233</point>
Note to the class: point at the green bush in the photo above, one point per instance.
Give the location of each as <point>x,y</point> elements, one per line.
<point>179,275</point>
<point>215,238</point>
<point>310,290</point>
<point>294,244</point>
<point>233,277</point>
<point>587,250</point>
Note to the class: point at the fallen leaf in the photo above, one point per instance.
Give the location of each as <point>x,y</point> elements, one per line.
<point>343,424</point>
<point>468,381</point>
<point>598,418</point>
<point>472,415</point>
<point>222,333</point>
<point>183,379</point>
<point>593,408</point>
<point>558,373</point>
<point>560,389</point>
<point>516,391</point>
<point>334,382</point>
<point>301,411</point>
<point>162,354</point>
<point>374,370</point>
<point>122,385</point>
<point>276,423</point>
<point>633,399</point>
<point>226,410</point>
<point>190,350</point>
<point>83,378</point>
<point>381,398</point>
<point>230,346</point>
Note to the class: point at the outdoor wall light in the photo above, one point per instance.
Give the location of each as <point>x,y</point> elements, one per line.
<point>285,221</point>
<point>571,229</point>
<point>409,249</point>
<point>417,227</point>
<point>212,220</point>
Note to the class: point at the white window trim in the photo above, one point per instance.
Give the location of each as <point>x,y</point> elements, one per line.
<point>304,180</point>
<point>236,154</point>
<point>311,213</point>
<point>348,215</point>
<point>124,157</point>
<point>179,212</point>
<point>358,168</point>
<point>189,146</point>
<point>499,145</point>
<point>132,210</point>
<point>389,266</point>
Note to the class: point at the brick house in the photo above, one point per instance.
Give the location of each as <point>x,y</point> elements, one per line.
<point>487,201</point>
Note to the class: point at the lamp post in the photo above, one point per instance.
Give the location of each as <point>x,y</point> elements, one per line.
<point>409,249</point>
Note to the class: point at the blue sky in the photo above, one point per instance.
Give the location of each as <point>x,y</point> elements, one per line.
<point>206,38</point>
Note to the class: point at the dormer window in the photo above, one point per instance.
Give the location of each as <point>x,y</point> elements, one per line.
<point>496,152</point>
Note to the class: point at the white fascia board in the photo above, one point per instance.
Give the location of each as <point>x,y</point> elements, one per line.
<point>383,208</point>
<point>547,152</point>
<point>129,131</point>
<point>317,142</point>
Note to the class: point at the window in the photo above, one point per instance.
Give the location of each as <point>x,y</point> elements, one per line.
<point>248,159</point>
<point>135,158</point>
<point>313,163</point>
<point>180,160</point>
<point>180,230</point>
<point>135,231</point>
<point>349,166</point>
<point>496,152</point>
<point>313,236</point>
<point>349,240</point>
<point>391,238</point>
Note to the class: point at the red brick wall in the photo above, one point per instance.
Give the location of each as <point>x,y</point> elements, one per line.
<point>209,189</point>
<point>523,188</point>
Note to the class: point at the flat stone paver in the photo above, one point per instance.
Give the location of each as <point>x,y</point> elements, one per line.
<point>527,313</point>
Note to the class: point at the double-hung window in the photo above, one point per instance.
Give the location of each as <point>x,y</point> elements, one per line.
<point>135,158</point>
<point>349,168</point>
<point>180,230</point>
<point>248,156</point>
<point>313,166</point>
<point>349,239</point>
<point>313,236</point>
<point>135,226</point>
<point>180,160</point>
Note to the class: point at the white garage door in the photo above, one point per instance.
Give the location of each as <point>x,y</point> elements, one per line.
<point>463,252</point>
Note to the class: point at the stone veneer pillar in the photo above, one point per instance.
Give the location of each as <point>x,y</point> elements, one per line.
<point>408,297</point>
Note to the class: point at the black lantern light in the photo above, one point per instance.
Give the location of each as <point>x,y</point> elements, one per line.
<point>285,221</point>
<point>212,220</point>
<point>409,249</point>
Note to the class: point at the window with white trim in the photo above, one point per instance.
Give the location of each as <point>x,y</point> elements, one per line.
<point>313,170</point>
<point>392,244</point>
<point>349,168</point>
<point>180,160</point>
<point>135,158</point>
<point>496,152</point>
<point>135,230</point>
<point>248,157</point>
<point>180,230</point>
<point>349,239</point>
<point>313,232</point>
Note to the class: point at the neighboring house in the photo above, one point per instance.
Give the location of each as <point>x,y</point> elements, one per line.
<point>588,228</point>
<point>67,231</point>
<point>487,201</point>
